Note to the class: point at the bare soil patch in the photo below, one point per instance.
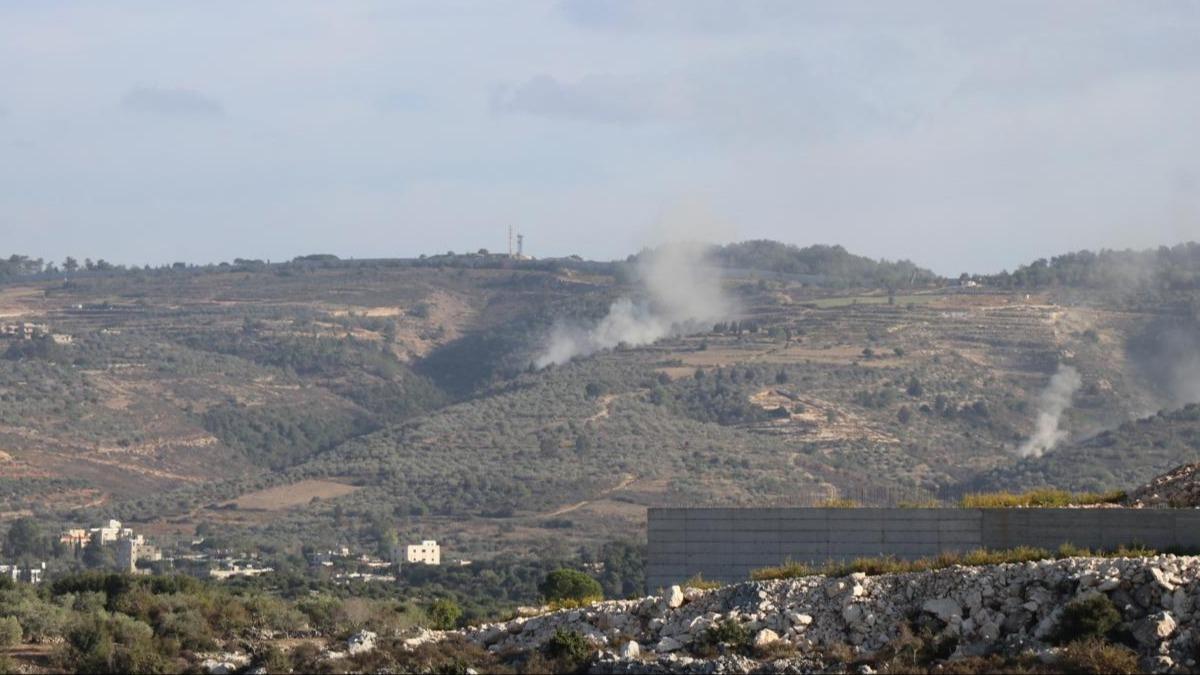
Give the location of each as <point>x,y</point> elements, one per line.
<point>285,497</point>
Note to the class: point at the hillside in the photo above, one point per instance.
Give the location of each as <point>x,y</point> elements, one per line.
<point>1130,454</point>
<point>399,395</point>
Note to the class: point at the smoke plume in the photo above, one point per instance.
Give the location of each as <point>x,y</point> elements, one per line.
<point>681,293</point>
<point>1167,353</point>
<point>1052,403</point>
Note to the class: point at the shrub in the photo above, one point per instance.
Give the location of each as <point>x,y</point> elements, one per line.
<point>568,647</point>
<point>836,503</point>
<point>701,583</point>
<point>10,631</point>
<point>890,565</point>
<point>272,660</point>
<point>571,585</point>
<point>788,570</point>
<point>1097,656</point>
<point>1088,618</point>
<point>444,614</point>
<point>1043,498</point>
<point>452,655</point>
<point>729,632</point>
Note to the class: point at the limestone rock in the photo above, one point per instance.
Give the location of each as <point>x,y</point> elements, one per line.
<point>765,637</point>
<point>799,619</point>
<point>1155,628</point>
<point>668,644</point>
<point>674,597</point>
<point>943,608</point>
<point>361,642</point>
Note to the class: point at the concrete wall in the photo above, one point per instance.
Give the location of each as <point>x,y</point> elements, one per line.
<point>726,544</point>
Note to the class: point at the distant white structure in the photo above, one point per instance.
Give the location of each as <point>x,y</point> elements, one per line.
<point>238,571</point>
<point>29,575</point>
<point>132,549</point>
<point>426,553</point>
<point>112,531</point>
<point>108,533</point>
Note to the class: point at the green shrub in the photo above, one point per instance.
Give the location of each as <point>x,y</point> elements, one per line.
<point>444,657</point>
<point>1043,498</point>
<point>889,565</point>
<point>1097,656</point>
<point>1088,618</point>
<point>567,584</point>
<point>273,660</point>
<point>568,647</point>
<point>444,614</point>
<point>788,570</point>
<point>729,632</point>
<point>699,582</point>
<point>10,631</point>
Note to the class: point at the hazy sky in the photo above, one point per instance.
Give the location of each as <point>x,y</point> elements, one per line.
<point>963,135</point>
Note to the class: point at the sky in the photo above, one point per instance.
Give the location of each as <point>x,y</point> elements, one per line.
<point>963,136</point>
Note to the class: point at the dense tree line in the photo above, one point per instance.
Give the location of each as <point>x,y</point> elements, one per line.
<point>1170,268</point>
<point>825,265</point>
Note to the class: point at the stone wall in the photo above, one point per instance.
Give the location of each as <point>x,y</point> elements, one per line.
<point>724,544</point>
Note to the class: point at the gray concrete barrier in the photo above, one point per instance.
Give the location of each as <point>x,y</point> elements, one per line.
<point>725,544</point>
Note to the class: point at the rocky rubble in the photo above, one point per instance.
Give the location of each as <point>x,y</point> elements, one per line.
<point>1007,609</point>
<point>1179,487</point>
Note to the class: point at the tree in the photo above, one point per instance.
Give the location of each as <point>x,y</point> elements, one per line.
<point>24,538</point>
<point>70,264</point>
<point>10,631</point>
<point>914,388</point>
<point>97,555</point>
<point>444,614</point>
<point>572,585</point>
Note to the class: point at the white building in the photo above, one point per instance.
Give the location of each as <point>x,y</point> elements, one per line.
<point>132,549</point>
<point>29,575</point>
<point>238,571</point>
<point>427,553</point>
<point>112,531</point>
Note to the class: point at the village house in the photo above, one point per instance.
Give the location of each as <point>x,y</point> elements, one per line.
<point>426,553</point>
<point>132,549</point>
<point>29,575</point>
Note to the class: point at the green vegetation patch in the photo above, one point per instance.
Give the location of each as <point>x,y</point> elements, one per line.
<point>1039,498</point>
<point>978,557</point>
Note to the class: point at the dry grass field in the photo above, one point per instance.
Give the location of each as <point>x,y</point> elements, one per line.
<point>285,497</point>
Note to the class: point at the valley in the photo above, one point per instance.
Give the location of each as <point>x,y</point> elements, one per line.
<point>192,396</point>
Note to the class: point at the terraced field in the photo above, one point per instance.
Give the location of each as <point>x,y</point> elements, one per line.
<point>193,398</point>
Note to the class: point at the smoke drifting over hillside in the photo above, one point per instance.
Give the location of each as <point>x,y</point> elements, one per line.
<point>682,293</point>
<point>1167,352</point>
<point>1052,403</point>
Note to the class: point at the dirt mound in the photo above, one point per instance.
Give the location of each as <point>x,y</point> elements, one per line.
<point>1179,488</point>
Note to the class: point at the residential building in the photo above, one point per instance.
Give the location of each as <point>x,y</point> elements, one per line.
<point>77,538</point>
<point>29,575</point>
<point>132,549</point>
<point>426,553</point>
<point>238,571</point>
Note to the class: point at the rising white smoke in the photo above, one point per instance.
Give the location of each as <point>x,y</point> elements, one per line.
<point>682,293</point>
<point>1052,403</point>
